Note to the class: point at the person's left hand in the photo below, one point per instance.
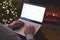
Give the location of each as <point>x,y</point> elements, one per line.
<point>16,24</point>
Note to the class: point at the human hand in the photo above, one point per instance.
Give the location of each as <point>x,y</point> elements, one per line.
<point>29,30</point>
<point>16,24</point>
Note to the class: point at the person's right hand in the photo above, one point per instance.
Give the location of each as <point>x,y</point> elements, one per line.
<point>29,30</point>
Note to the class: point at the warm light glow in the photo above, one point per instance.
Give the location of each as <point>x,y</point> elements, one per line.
<point>12,11</point>
<point>16,15</point>
<point>13,14</point>
<point>7,11</point>
<point>10,19</point>
<point>3,20</point>
<point>3,7</point>
<point>54,14</point>
<point>2,14</point>
<point>0,3</point>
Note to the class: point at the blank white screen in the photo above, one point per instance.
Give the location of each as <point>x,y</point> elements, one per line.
<point>33,12</point>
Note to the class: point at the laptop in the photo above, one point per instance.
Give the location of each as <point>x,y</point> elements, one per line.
<point>31,15</point>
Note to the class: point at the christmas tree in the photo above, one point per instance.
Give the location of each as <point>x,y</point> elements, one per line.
<point>8,12</point>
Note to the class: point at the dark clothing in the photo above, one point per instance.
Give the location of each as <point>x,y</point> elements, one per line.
<point>7,34</point>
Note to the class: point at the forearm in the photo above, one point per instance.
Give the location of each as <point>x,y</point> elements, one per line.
<point>7,34</point>
<point>28,36</point>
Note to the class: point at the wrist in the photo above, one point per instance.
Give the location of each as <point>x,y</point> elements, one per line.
<point>6,25</point>
<point>29,36</point>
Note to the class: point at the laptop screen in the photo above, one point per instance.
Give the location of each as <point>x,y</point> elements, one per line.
<point>33,12</point>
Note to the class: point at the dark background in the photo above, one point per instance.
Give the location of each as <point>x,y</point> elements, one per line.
<point>50,2</point>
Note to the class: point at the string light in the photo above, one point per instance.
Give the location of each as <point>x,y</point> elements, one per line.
<point>16,15</point>
<point>10,19</point>
<point>7,11</point>
<point>3,20</point>
<point>0,3</point>
<point>3,7</point>
<point>16,12</point>
<point>8,8</point>
<point>2,14</point>
<point>5,23</point>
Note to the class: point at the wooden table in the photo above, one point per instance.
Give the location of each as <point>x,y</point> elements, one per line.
<point>51,34</point>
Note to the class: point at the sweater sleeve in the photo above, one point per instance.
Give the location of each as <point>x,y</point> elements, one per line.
<point>7,34</point>
<point>30,37</point>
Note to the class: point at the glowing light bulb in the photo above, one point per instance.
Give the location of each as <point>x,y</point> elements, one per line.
<point>13,14</point>
<point>16,15</point>
<point>7,11</point>
<point>2,14</point>
<point>15,8</point>
<point>12,11</point>
<point>10,19</point>
<point>0,3</point>
<point>5,23</point>
<point>3,2</point>
<point>3,7</point>
<point>6,6</point>
<point>7,3</point>
<point>3,20</point>
<point>53,14</point>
